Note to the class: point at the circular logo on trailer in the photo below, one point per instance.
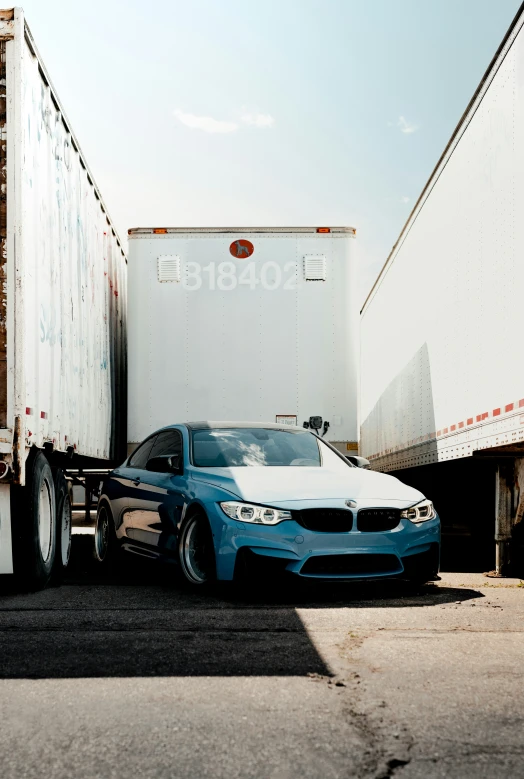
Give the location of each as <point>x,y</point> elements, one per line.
<point>241,249</point>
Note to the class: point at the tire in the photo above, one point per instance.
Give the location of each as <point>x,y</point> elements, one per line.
<point>419,580</point>
<point>63,525</point>
<point>34,523</point>
<point>106,550</point>
<point>422,568</point>
<point>196,551</point>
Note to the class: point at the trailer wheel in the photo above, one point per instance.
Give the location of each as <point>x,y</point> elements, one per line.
<point>34,514</point>
<point>63,525</point>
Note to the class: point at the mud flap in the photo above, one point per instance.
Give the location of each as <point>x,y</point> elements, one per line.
<point>6,547</point>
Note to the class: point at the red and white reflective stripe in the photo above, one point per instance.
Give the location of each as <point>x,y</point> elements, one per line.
<point>477,419</point>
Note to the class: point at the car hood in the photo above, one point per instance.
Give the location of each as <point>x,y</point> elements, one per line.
<point>277,484</point>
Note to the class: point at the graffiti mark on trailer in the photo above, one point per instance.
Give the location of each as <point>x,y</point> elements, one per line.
<point>241,248</point>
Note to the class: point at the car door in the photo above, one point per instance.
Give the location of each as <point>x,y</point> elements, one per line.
<point>126,493</point>
<point>162,496</point>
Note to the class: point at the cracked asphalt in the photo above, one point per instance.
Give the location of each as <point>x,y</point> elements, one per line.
<point>139,677</point>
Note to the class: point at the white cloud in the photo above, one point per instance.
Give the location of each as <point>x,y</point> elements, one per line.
<point>258,120</point>
<point>210,125</point>
<point>206,123</point>
<point>405,199</point>
<point>405,126</point>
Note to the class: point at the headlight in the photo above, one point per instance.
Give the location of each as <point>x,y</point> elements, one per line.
<point>260,515</point>
<point>420,512</point>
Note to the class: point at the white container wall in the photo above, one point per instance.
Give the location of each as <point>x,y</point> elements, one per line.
<point>66,273</point>
<point>216,332</point>
<point>441,331</point>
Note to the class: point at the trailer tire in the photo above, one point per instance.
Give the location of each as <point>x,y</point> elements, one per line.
<point>34,524</point>
<point>63,525</point>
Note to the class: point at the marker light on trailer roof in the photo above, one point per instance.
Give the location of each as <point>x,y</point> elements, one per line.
<point>323,229</point>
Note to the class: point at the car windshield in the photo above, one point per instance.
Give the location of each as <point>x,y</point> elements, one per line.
<point>248,446</point>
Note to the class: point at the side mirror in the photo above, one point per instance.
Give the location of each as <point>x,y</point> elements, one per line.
<point>166,463</point>
<point>360,462</point>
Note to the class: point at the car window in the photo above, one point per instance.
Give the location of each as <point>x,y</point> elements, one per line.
<point>232,447</point>
<point>167,442</point>
<point>140,456</point>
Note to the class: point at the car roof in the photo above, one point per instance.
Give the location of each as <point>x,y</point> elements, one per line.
<point>206,425</point>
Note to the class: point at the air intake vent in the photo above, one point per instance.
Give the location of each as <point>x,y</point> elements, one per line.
<point>168,268</point>
<point>314,268</point>
<point>377,520</point>
<point>351,565</point>
<point>325,520</point>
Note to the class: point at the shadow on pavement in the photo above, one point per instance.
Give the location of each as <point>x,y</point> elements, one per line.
<point>146,624</point>
<point>291,592</point>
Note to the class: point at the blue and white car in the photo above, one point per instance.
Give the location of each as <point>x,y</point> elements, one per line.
<point>223,499</point>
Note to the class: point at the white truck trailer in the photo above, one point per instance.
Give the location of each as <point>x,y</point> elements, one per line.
<point>62,328</point>
<point>442,376</point>
<point>255,324</point>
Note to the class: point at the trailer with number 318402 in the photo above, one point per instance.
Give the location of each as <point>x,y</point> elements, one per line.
<point>258,324</point>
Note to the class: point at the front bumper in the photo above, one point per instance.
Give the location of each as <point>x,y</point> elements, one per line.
<point>351,555</point>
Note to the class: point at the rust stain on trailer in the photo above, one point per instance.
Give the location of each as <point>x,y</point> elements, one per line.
<point>7,32</point>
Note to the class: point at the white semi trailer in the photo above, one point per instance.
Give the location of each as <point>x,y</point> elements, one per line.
<point>442,375</point>
<point>62,327</point>
<point>243,323</point>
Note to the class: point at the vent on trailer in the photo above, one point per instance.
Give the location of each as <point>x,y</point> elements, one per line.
<point>315,268</point>
<point>168,268</point>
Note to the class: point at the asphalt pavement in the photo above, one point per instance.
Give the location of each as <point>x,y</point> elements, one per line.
<point>138,677</point>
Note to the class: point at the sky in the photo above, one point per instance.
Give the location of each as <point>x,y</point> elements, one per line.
<point>267,112</point>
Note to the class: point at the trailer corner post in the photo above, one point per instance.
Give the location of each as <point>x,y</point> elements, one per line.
<point>504,511</point>
<point>15,241</point>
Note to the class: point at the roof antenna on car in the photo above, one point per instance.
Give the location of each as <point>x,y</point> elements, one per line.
<point>306,425</point>
<point>325,428</point>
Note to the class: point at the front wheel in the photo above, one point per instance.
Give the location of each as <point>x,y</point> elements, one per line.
<point>422,568</point>
<point>106,549</point>
<point>196,551</point>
